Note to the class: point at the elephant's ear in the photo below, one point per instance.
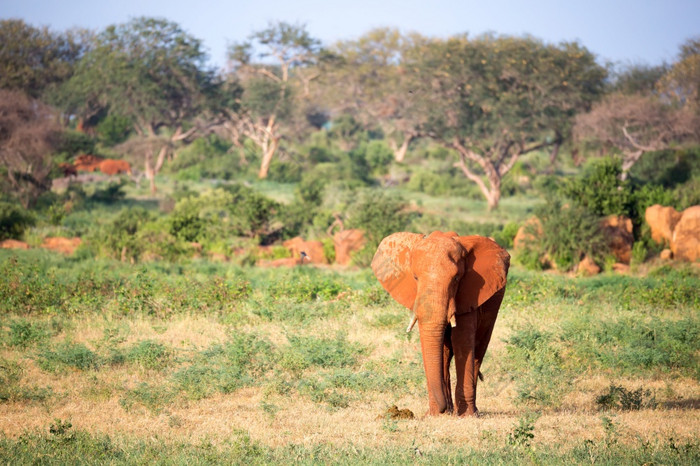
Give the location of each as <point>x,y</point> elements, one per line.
<point>487,267</point>
<point>392,266</point>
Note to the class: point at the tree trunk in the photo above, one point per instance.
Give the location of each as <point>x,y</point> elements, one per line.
<point>268,154</point>
<point>630,158</point>
<point>400,152</point>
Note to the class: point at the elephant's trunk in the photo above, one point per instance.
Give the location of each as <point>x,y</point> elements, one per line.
<point>432,337</point>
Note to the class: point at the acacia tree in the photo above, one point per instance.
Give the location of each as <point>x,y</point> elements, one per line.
<point>153,73</point>
<point>367,79</point>
<point>682,82</point>
<point>494,99</point>
<point>28,135</point>
<point>33,59</point>
<point>269,85</point>
<point>653,109</point>
<point>636,124</point>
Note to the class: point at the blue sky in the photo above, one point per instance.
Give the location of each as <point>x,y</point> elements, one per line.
<point>618,31</point>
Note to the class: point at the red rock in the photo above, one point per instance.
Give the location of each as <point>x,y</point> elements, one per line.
<point>618,234</point>
<point>685,243</point>
<point>347,242</point>
<point>62,245</point>
<point>312,249</point>
<point>587,267</point>
<point>662,221</point>
<point>13,244</point>
<point>524,235</point>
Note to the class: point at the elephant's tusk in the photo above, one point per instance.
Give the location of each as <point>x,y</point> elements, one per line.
<point>413,322</point>
<point>453,321</point>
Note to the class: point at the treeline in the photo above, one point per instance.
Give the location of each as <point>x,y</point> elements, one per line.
<point>144,89</point>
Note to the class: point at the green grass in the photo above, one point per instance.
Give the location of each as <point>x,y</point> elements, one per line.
<point>68,446</point>
<point>120,334</point>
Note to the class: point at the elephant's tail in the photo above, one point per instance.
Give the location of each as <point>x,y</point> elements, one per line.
<point>481,376</point>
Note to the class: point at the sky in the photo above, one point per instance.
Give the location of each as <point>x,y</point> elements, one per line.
<point>622,32</point>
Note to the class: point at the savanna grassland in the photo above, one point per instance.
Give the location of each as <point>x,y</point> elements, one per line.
<point>196,361</point>
<point>162,339</point>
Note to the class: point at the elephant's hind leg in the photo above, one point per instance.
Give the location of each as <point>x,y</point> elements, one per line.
<point>488,312</point>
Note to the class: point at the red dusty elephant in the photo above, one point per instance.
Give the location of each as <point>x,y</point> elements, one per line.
<point>114,167</point>
<point>454,286</point>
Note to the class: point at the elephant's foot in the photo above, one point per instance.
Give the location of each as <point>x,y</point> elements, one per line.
<point>467,410</point>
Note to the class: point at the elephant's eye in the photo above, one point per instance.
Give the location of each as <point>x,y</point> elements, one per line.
<point>415,277</point>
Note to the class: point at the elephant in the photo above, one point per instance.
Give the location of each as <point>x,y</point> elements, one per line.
<point>454,285</point>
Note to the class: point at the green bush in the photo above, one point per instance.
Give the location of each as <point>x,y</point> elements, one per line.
<point>118,238</point>
<point>232,210</point>
<point>618,397</point>
<point>379,156</point>
<point>14,221</point>
<point>378,214</point>
<point>68,355</point>
<point>149,354</point>
<point>667,168</point>
<point>600,191</point>
<point>304,352</point>
<point>568,233</point>
<point>113,129</point>
<point>25,333</point>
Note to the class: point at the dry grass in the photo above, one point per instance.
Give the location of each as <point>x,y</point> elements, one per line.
<point>91,400</point>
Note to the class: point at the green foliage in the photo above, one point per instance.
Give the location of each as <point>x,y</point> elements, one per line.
<point>304,352</point>
<point>152,397</point>
<point>113,129</point>
<point>67,355</point>
<point>667,168</point>
<point>74,143</point>
<point>567,234</point>
<point>523,432</point>
<point>379,156</point>
<point>24,333</point>
<point>600,191</point>
<point>632,345</point>
<point>14,221</point>
<point>206,157</point>
<point>226,367</point>
<point>379,215</point>
<point>35,58</point>
<point>150,355</point>
<point>119,237</point>
<point>618,397</point>
<point>264,97</point>
<point>536,358</point>
<point>233,210</point>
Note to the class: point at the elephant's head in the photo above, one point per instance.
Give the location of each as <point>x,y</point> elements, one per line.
<point>438,277</point>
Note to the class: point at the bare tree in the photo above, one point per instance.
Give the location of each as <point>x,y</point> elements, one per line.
<point>28,134</point>
<point>268,88</point>
<point>635,124</point>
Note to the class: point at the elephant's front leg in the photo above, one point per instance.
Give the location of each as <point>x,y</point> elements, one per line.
<point>463,344</point>
<point>447,354</point>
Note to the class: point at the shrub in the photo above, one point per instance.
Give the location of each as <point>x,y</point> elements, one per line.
<point>379,215</point>
<point>379,156</point>
<point>113,129</point>
<point>149,354</point>
<point>25,333</point>
<point>568,233</point>
<point>64,355</point>
<point>233,210</point>
<point>600,191</point>
<point>618,397</point>
<point>324,352</point>
<point>14,220</point>
<point>119,238</point>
